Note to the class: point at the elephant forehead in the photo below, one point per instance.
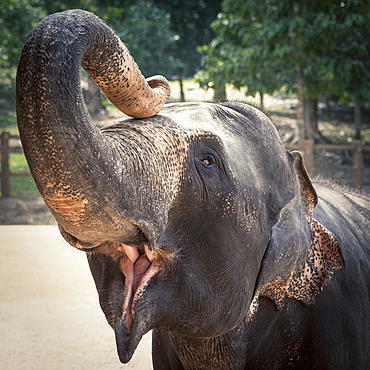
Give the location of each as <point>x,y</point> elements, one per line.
<point>156,136</point>
<point>226,120</point>
<point>177,124</point>
<point>195,118</point>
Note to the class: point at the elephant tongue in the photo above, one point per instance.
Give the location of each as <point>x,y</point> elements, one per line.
<point>136,268</point>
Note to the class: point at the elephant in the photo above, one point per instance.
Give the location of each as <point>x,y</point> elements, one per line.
<point>197,223</point>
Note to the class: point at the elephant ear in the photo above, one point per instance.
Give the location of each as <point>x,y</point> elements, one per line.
<point>302,254</point>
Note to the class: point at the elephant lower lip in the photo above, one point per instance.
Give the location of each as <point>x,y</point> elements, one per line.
<point>138,266</point>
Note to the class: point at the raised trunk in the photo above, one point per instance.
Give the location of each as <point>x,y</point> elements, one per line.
<point>66,153</point>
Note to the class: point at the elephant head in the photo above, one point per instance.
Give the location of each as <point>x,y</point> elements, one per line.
<point>180,211</point>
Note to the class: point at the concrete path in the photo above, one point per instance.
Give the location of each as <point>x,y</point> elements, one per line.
<point>49,312</point>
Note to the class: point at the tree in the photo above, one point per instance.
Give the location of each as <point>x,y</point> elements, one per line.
<point>145,29</point>
<point>17,18</point>
<point>317,48</point>
<point>190,20</point>
<point>141,25</point>
<point>235,56</point>
<point>62,5</point>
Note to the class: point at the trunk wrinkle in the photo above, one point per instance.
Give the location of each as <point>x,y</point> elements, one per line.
<point>70,159</point>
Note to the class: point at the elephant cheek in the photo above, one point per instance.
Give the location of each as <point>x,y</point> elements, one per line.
<point>70,208</point>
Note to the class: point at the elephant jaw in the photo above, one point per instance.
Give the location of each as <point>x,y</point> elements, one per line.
<point>138,266</point>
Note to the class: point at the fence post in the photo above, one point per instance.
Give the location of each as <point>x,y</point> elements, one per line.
<point>357,163</point>
<point>309,161</point>
<point>5,172</point>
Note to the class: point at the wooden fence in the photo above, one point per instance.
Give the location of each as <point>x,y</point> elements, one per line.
<point>5,138</point>
<point>307,148</point>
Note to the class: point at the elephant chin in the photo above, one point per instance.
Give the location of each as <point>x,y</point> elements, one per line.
<point>126,343</point>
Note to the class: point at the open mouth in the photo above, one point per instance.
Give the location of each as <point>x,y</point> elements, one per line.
<point>138,266</point>
<point>122,274</point>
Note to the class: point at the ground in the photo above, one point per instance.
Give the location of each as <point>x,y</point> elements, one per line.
<point>49,312</point>
<point>24,211</point>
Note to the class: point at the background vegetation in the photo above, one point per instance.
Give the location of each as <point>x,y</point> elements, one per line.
<point>318,50</point>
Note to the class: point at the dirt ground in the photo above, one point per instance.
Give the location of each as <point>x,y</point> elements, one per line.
<point>49,312</point>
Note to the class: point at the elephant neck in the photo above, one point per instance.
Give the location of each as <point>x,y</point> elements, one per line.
<point>219,353</point>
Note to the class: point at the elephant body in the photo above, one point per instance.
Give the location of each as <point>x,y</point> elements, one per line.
<point>332,333</point>
<point>197,223</point>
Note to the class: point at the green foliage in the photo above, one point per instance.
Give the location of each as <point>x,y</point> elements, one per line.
<point>141,24</point>
<point>190,21</point>
<point>145,29</point>
<point>259,44</point>
<point>54,6</point>
<point>17,18</point>
<point>21,186</point>
<point>162,35</point>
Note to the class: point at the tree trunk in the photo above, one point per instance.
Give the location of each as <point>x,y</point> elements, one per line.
<point>262,105</point>
<point>182,94</point>
<point>358,120</point>
<point>328,108</point>
<point>311,123</point>
<point>300,128</point>
<point>94,98</point>
<point>307,126</point>
<point>220,93</point>
<point>310,118</point>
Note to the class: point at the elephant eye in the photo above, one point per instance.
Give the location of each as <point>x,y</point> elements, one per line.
<point>208,160</point>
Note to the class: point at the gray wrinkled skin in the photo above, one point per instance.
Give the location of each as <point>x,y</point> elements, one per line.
<point>196,221</point>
